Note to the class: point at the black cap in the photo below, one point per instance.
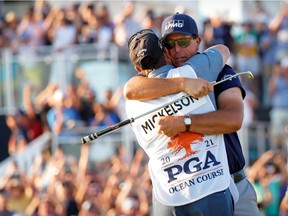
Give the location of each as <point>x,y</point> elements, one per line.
<point>145,49</point>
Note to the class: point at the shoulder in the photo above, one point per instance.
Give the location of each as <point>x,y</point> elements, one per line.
<point>211,51</point>
<point>183,71</point>
<point>161,72</point>
<point>227,72</point>
<point>208,58</point>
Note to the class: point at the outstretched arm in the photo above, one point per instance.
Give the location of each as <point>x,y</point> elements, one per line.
<point>144,88</point>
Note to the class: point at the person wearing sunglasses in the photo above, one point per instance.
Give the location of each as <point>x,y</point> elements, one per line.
<point>186,180</point>
<point>181,40</point>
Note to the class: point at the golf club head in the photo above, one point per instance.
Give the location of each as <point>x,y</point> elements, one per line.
<point>249,75</point>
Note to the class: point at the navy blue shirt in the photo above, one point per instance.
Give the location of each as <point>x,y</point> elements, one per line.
<point>235,155</point>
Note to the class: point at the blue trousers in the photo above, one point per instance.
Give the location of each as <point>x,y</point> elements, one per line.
<point>217,204</point>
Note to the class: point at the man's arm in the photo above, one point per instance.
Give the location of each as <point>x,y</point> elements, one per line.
<point>226,119</point>
<point>144,88</point>
<point>223,50</point>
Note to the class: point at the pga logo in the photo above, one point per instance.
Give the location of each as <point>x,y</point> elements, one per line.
<point>174,23</point>
<point>193,165</point>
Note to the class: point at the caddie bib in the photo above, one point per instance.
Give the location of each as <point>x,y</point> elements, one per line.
<point>188,166</point>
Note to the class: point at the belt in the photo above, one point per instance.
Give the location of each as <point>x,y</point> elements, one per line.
<point>238,176</point>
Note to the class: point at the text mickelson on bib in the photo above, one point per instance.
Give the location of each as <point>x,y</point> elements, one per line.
<point>188,166</point>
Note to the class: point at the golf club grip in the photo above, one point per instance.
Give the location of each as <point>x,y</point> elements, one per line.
<point>107,130</point>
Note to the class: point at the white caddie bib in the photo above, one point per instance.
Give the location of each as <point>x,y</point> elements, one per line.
<point>188,166</point>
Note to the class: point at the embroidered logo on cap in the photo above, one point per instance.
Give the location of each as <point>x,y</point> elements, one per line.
<point>141,52</point>
<point>174,23</point>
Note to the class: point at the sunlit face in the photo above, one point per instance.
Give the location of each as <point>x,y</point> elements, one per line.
<point>180,54</point>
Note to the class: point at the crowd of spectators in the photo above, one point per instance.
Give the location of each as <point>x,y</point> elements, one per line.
<point>60,184</point>
<point>60,111</point>
<point>269,177</point>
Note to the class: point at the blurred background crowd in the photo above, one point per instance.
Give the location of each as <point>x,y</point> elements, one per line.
<point>58,183</point>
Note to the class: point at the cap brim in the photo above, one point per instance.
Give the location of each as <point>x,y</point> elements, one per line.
<point>179,32</point>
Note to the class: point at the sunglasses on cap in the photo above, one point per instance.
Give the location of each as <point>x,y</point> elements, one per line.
<point>140,32</point>
<point>182,42</point>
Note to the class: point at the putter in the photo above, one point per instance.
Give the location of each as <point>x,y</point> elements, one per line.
<point>114,127</point>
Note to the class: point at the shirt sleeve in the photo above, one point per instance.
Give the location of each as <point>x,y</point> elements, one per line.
<point>226,72</point>
<point>207,64</point>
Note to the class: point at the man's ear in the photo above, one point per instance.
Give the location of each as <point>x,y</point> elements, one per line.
<point>167,56</point>
<point>166,52</point>
<point>137,69</point>
<point>198,42</point>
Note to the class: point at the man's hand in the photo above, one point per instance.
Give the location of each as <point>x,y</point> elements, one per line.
<point>197,87</point>
<point>170,125</point>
